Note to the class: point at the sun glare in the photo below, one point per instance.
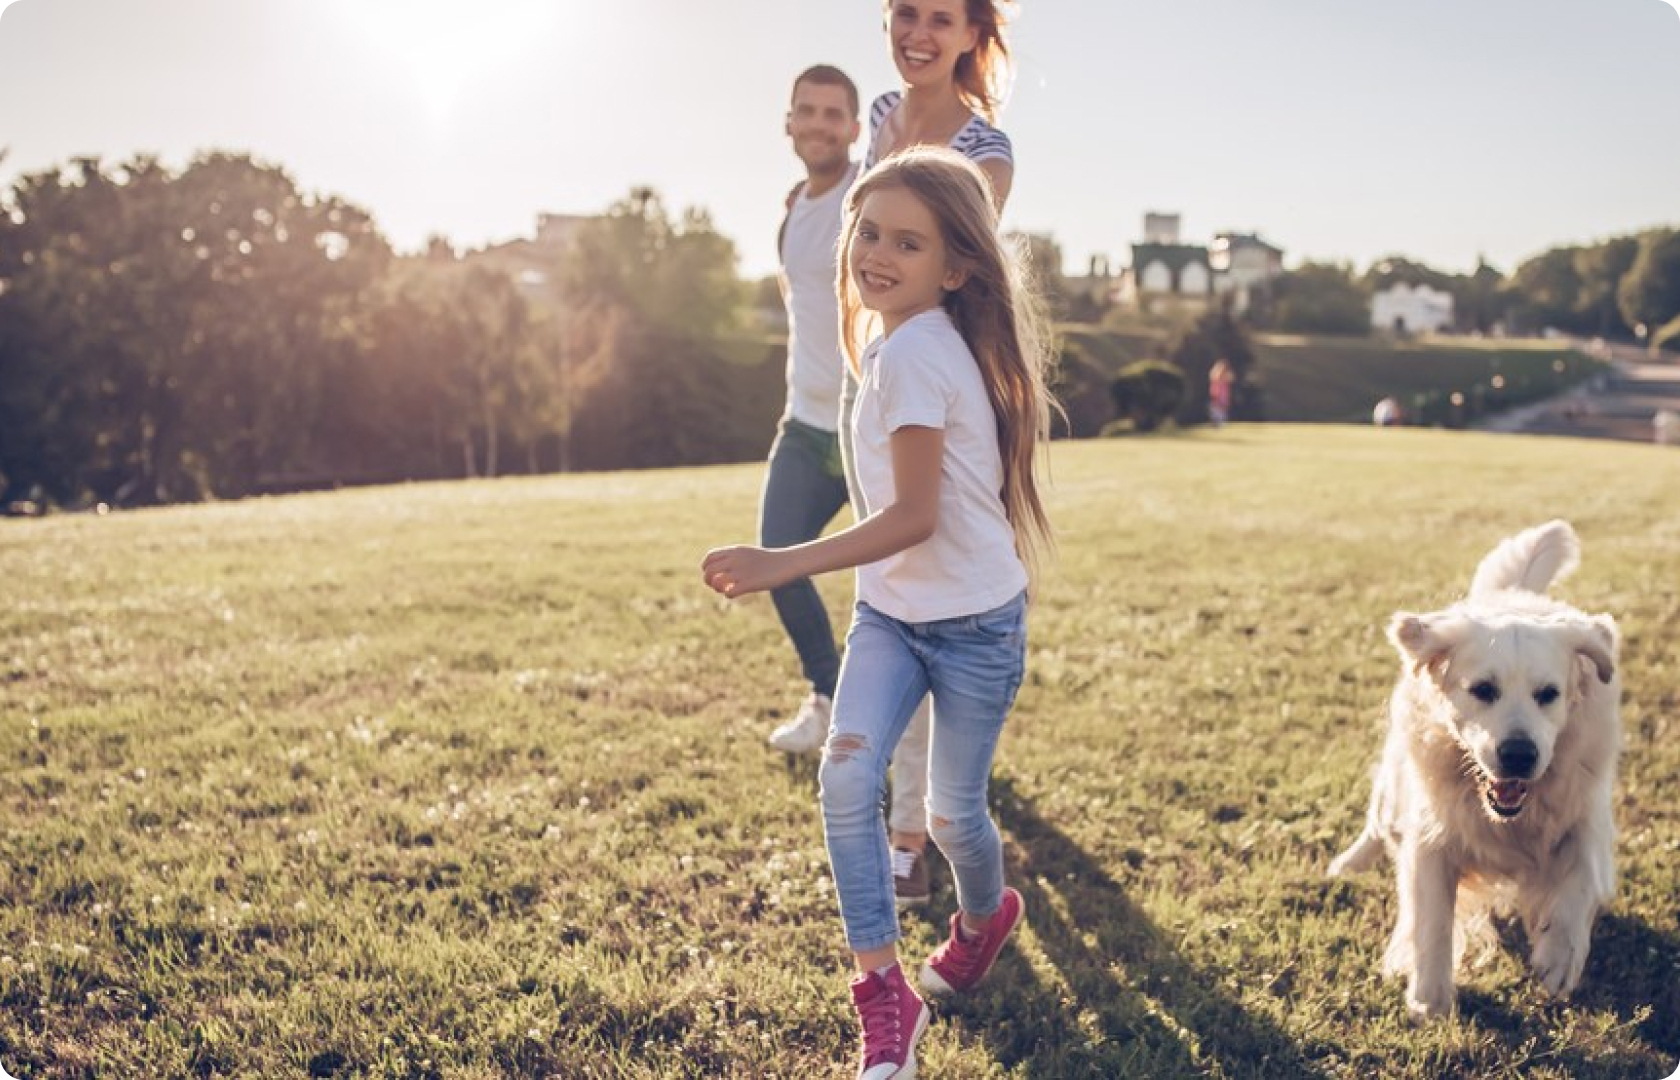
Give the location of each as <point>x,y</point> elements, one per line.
<point>442,48</point>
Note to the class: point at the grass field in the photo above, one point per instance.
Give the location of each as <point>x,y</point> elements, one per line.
<point>1339,379</point>
<point>470,780</point>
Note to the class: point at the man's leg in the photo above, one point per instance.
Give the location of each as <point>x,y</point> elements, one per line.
<point>801,496</point>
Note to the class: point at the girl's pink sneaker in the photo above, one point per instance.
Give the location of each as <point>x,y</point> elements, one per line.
<point>961,962</point>
<point>893,1018</point>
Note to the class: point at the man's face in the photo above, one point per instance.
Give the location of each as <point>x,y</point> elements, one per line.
<point>822,126</point>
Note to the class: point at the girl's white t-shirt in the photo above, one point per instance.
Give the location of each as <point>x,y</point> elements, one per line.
<point>923,375</point>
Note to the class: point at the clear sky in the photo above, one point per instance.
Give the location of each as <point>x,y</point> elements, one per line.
<point>1338,129</point>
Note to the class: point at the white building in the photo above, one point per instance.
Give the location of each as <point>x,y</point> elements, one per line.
<point>1243,265</point>
<point>1412,309</point>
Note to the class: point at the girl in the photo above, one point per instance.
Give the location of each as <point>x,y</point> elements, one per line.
<point>953,61</point>
<point>951,411</point>
<point>1220,378</point>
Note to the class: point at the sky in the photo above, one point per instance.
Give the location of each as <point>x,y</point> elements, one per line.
<point>1340,130</point>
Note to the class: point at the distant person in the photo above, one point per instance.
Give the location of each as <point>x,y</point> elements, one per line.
<point>805,485</point>
<point>953,64</point>
<point>1386,413</point>
<point>954,521</point>
<point>1220,380</point>
<point>1665,427</point>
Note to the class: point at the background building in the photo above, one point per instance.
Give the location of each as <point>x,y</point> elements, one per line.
<point>1412,309</point>
<point>1165,271</point>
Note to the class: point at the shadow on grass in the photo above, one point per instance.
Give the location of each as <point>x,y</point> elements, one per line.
<point>1132,1006</point>
<point>1633,970</point>
<point>1634,965</point>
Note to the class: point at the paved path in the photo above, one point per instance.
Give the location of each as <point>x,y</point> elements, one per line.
<point>1618,404</point>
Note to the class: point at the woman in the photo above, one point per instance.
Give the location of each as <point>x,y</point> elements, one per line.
<point>953,62</point>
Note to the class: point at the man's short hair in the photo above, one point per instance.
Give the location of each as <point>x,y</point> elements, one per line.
<point>829,75</point>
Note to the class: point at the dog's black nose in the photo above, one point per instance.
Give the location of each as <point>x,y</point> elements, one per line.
<point>1517,757</point>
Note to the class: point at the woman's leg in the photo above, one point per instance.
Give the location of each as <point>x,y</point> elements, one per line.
<point>908,818</point>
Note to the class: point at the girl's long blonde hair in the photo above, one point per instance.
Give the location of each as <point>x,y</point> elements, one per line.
<point>995,311</point>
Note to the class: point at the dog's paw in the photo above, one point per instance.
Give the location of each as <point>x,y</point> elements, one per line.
<point>1558,962</point>
<point>1430,1002</point>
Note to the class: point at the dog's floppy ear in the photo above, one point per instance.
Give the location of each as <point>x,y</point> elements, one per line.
<point>1424,641</point>
<point>1596,639</point>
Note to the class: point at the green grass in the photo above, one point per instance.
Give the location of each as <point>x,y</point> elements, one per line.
<point>469,780</point>
<point>1333,379</point>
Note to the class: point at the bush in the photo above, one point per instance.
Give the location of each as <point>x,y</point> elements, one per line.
<point>1148,392</point>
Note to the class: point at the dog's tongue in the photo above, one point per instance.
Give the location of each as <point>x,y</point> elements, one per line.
<point>1510,794</point>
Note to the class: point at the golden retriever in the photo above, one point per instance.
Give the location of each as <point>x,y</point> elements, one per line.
<point>1493,792</point>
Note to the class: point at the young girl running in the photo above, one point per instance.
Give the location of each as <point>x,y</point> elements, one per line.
<point>951,411</point>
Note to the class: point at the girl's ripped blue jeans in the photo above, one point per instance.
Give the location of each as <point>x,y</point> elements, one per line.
<point>972,665</point>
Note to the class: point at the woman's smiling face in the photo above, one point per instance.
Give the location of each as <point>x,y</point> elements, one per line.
<point>928,37</point>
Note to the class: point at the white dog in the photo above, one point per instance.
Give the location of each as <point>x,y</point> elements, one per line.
<point>1495,781</point>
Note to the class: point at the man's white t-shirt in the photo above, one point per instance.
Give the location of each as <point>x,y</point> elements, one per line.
<point>810,244</point>
<point>923,375</point>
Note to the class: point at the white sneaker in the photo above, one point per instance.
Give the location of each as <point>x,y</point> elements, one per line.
<point>808,729</point>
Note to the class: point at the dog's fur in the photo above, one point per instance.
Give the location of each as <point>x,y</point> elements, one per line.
<point>1495,781</point>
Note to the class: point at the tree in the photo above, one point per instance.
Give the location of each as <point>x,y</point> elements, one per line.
<point>1600,269</point>
<point>1546,291</point>
<point>1084,391</point>
<point>1399,270</point>
<point>1320,298</point>
<point>169,337</point>
<point>1649,293</point>
<point>282,279</point>
<point>462,365</point>
<point>652,309</point>
<point>678,276</point>
<point>73,323</point>
<point>1479,299</point>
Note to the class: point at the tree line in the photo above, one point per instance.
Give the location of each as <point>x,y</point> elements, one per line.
<point>170,336</point>
<point>1626,288</point>
<point>214,331</point>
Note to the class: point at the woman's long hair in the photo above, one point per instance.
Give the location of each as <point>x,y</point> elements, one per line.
<point>983,76</point>
<point>994,310</point>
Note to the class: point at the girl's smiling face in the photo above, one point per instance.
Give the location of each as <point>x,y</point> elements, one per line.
<point>898,259</point>
<point>928,37</point>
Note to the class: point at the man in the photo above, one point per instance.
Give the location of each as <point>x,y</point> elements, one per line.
<point>806,485</point>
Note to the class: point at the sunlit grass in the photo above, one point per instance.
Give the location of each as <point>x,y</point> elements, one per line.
<point>469,780</point>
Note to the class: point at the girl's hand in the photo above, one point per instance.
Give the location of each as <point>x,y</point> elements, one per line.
<point>737,571</point>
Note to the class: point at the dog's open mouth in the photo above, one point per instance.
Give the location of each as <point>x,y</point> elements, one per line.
<point>1505,798</point>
